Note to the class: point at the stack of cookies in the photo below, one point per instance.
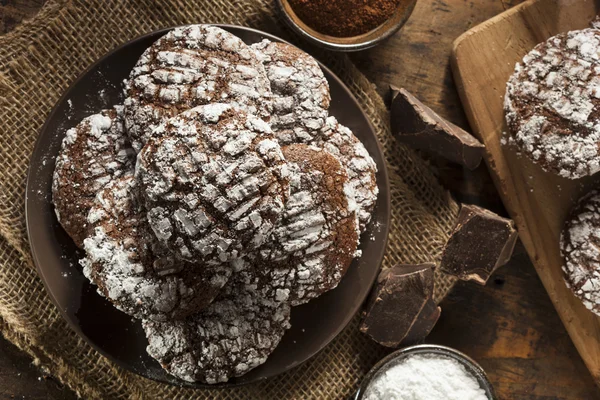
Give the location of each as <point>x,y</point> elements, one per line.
<point>552,107</point>
<point>219,195</point>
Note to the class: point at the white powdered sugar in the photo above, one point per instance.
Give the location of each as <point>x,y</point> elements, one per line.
<point>580,248</point>
<point>188,67</point>
<point>300,91</point>
<point>425,377</point>
<point>215,183</point>
<point>551,104</point>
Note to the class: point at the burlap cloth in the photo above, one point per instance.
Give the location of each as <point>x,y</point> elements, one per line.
<point>37,63</point>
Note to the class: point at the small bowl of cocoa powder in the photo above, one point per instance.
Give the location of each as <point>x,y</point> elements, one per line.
<point>346,25</point>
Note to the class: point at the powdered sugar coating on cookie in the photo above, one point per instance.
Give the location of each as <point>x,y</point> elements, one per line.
<point>300,91</point>
<point>362,187</point>
<point>214,183</point>
<point>93,153</point>
<point>552,104</point>
<point>580,249</point>
<point>235,334</point>
<point>316,238</point>
<point>132,270</point>
<point>191,66</point>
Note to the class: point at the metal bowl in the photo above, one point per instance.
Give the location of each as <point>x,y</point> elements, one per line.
<point>470,365</point>
<point>353,43</point>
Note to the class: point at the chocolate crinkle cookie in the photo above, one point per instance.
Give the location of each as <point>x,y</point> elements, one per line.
<point>93,154</point>
<point>552,104</point>
<point>235,334</point>
<point>215,183</point>
<point>360,167</point>
<point>132,270</point>
<point>300,91</point>
<point>580,249</point>
<point>316,238</point>
<point>191,66</point>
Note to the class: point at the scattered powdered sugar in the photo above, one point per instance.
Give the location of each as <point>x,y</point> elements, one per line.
<point>300,91</point>
<point>503,139</point>
<point>552,101</point>
<point>580,248</point>
<point>188,67</point>
<point>425,377</point>
<point>214,183</point>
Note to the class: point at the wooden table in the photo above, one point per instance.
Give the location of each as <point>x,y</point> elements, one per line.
<point>510,325</point>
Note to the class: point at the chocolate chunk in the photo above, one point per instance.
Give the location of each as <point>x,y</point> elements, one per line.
<point>481,242</point>
<point>423,324</point>
<point>400,309</point>
<point>420,127</point>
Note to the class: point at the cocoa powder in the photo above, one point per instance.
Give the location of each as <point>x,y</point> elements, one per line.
<point>344,18</point>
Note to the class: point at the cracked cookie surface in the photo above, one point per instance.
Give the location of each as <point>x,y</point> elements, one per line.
<point>93,153</point>
<point>580,249</point>
<point>552,104</point>
<point>235,334</point>
<point>132,270</point>
<point>316,238</point>
<point>214,183</point>
<point>360,167</point>
<point>191,66</point>
<point>300,91</point>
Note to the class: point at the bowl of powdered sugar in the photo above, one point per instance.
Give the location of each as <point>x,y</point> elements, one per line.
<point>426,372</point>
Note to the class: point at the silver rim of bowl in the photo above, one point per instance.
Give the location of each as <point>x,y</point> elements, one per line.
<point>347,47</point>
<point>471,365</point>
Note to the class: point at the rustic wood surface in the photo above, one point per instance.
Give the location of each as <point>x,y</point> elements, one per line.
<point>418,59</point>
<point>509,326</point>
<point>539,202</point>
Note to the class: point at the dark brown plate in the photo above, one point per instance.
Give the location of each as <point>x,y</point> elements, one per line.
<point>120,337</point>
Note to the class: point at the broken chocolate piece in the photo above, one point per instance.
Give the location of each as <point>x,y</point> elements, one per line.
<point>419,126</point>
<point>480,242</point>
<point>423,324</point>
<point>400,299</point>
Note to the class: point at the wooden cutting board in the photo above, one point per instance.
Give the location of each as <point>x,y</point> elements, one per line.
<point>483,59</point>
